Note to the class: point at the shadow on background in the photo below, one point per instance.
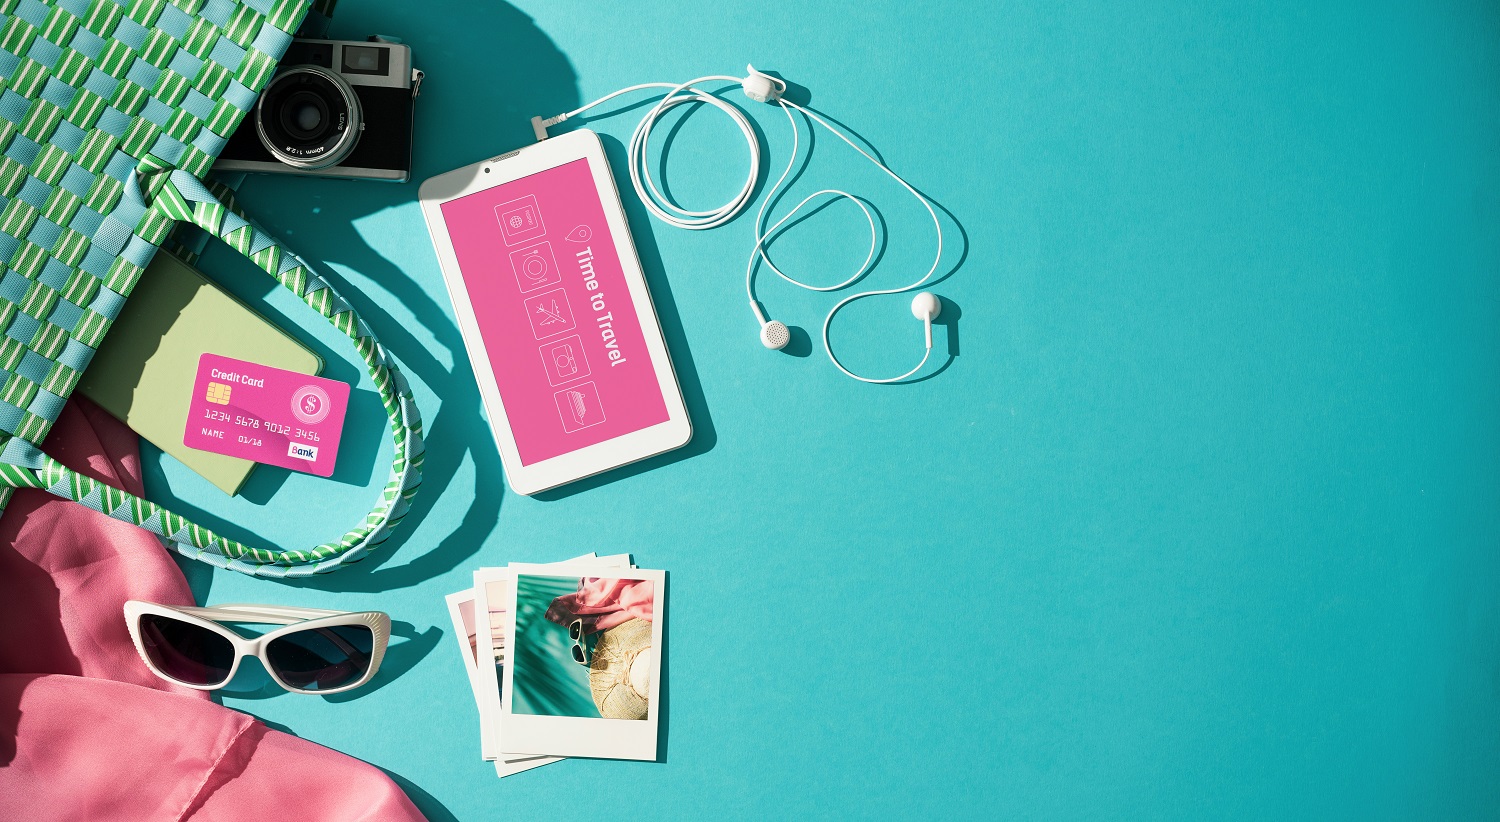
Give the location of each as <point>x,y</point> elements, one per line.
<point>952,313</point>
<point>425,802</point>
<point>400,657</point>
<point>459,120</point>
<point>664,671</point>
<point>252,682</point>
<point>947,319</point>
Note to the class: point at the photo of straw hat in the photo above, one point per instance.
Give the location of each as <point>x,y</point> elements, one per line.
<point>620,671</point>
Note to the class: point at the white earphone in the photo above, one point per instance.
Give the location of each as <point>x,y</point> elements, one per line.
<point>764,88</point>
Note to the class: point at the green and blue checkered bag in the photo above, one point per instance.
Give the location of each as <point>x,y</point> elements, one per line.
<point>111,114</point>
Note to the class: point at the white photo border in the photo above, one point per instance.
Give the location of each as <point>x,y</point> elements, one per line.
<point>529,734</point>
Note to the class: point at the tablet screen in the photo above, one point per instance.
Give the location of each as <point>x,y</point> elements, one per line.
<point>555,313</point>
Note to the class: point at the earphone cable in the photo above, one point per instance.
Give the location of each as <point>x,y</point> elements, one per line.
<point>640,172</point>
<point>673,214</point>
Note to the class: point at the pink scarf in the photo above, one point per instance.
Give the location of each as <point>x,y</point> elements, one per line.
<point>86,732</point>
<point>604,603</point>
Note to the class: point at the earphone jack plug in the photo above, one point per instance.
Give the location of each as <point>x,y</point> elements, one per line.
<point>540,126</point>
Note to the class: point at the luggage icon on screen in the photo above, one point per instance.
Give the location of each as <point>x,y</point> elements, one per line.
<point>578,407</point>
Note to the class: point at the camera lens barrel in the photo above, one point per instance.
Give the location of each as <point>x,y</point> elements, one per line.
<point>308,117</point>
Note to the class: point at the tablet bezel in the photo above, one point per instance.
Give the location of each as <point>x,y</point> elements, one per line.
<point>675,432</point>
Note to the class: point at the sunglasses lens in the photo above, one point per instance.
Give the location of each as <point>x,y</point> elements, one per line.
<point>575,630</point>
<point>578,654</point>
<point>186,652</point>
<point>321,659</point>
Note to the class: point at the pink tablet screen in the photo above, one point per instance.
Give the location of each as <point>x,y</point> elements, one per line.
<point>545,278</point>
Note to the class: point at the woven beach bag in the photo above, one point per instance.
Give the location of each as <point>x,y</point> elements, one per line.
<point>111,114</point>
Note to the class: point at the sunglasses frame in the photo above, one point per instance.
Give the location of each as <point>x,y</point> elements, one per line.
<point>294,620</point>
<point>580,644</point>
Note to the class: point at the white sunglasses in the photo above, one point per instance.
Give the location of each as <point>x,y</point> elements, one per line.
<point>318,652</point>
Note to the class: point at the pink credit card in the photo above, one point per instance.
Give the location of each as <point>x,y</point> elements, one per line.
<point>266,415</point>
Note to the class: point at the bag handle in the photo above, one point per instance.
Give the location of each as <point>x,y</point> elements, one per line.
<point>178,195</point>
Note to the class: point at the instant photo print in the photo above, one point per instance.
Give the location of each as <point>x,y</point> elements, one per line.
<point>491,599</point>
<point>466,631</point>
<point>583,672</point>
<point>465,628</point>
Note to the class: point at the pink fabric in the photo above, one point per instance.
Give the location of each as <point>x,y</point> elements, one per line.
<point>86,732</point>
<point>66,571</point>
<point>605,603</point>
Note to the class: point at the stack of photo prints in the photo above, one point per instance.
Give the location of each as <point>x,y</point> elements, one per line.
<point>564,659</point>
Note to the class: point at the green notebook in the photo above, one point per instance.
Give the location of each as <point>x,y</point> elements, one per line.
<point>144,377</point>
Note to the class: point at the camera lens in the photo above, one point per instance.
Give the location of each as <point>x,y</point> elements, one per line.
<point>308,117</point>
<point>305,116</point>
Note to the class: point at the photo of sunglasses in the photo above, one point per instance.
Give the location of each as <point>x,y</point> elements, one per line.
<point>317,652</point>
<point>580,647</point>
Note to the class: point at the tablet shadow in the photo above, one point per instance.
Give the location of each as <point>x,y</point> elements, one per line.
<point>459,120</point>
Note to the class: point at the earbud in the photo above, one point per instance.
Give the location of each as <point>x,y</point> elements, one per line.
<point>926,307</point>
<point>774,335</point>
<point>761,87</point>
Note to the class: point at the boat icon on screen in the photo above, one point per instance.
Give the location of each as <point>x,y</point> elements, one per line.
<point>578,407</point>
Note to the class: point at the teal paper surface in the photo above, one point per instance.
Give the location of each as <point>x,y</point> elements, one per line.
<point>1200,522</point>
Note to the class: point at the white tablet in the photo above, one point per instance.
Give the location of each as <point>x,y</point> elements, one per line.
<point>554,311</point>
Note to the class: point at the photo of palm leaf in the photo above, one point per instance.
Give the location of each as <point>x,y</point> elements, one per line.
<point>546,681</point>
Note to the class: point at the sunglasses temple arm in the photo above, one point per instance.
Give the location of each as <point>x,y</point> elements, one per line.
<point>284,614</point>
<point>352,652</point>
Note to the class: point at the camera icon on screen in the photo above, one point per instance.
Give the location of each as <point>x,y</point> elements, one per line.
<point>535,266</point>
<point>564,360</point>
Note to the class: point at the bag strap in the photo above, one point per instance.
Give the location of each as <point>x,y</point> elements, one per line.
<point>179,195</point>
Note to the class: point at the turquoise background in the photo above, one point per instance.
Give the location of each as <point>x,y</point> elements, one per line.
<point>1199,520</point>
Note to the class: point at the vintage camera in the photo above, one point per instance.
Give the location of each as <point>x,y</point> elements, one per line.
<point>336,108</point>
